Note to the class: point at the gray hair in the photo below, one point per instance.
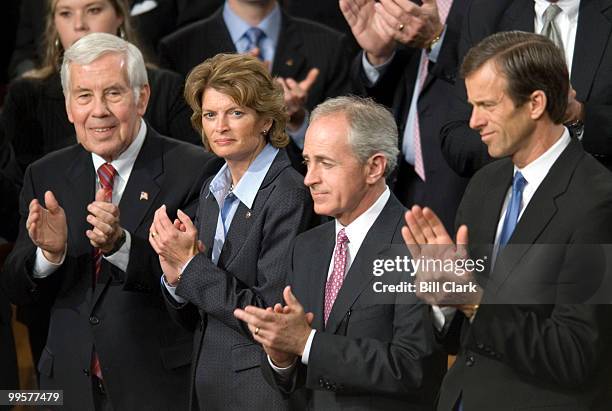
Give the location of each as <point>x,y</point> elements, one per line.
<point>93,46</point>
<point>372,128</point>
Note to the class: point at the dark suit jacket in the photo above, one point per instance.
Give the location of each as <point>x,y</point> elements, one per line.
<point>376,351</point>
<point>36,123</point>
<point>545,353</point>
<point>144,355</point>
<point>8,359</point>
<point>251,271</point>
<point>591,63</point>
<point>10,184</point>
<point>443,188</point>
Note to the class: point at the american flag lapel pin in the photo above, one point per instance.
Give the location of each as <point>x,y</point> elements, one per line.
<point>144,196</point>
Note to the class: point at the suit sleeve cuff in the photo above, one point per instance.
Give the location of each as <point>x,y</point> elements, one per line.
<point>373,72</point>
<point>121,258</point>
<point>172,291</point>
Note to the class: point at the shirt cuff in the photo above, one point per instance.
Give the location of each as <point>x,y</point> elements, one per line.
<point>299,135</point>
<point>283,373</point>
<point>442,317</point>
<point>43,267</point>
<point>306,353</point>
<point>373,72</point>
<point>435,50</point>
<point>172,291</point>
<point>121,258</point>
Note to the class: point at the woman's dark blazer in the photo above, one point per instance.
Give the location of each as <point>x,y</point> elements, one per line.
<point>251,270</point>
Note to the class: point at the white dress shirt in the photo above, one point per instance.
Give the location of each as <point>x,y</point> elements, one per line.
<point>123,165</point>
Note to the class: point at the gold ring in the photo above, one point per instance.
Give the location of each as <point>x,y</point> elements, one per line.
<point>400,27</point>
<point>256,331</point>
<point>153,234</point>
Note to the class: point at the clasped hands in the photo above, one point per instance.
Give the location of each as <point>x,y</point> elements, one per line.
<point>48,229</point>
<point>175,243</point>
<point>282,330</point>
<point>427,239</point>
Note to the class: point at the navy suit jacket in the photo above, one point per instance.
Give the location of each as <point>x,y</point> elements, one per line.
<point>144,356</point>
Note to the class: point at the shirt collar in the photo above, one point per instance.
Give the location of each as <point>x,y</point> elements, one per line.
<point>359,227</point>
<point>248,186</point>
<point>237,27</point>
<point>569,7</point>
<point>124,163</point>
<point>536,171</point>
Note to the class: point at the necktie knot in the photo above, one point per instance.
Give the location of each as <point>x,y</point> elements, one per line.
<point>518,183</point>
<point>106,174</point>
<point>514,209</point>
<point>342,239</point>
<point>549,28</point>
<point>254,35</point>
<point>551,12</point>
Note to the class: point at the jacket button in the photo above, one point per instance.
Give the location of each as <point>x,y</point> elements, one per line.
<point>470,360</point>
<point>93,320</point>
<point>86,372</point>
<point>321,383</point>
<point>480,346</point>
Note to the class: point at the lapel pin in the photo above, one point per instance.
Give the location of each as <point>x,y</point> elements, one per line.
<point>248,214</point>
<point>289,62</point>
<point>144,196</point>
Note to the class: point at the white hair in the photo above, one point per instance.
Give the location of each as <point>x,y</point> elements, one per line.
<point>93,46</point>
<point>372,128</point>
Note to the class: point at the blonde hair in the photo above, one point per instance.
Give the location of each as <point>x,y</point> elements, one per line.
<point>247,81</point>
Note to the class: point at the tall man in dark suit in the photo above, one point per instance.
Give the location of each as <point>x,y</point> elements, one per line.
<point>311,60</point>
<point>111,342</point>
<point>585,34</point>
<point>544,210</point>
<point>409,63</point>
<point>354,349</point>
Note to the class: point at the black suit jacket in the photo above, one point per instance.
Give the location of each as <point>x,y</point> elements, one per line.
<point>443,188</point>
<point>552,350</point>
<point>251,271</point>
<point>591,63</point>
<point>144,355</point>
<point>8,358</point>
<point>376,352</point>
<point>36,123</point>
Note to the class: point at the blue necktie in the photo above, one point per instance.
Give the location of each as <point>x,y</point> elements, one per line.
<point>254,35</point>
<point>227,205</point>
<point>514,209</point>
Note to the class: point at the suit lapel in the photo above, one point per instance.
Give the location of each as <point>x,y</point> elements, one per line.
<point>520,15</point>
<point>592,36</point>
<point>538,214</point>
<point>147,168</point>
<point>208,212</point>
<point>288,59</point>
<point>377,240</point>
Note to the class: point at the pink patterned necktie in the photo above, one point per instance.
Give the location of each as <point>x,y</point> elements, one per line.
<point>335,280</point>
<point>419,167</point>
<point>106,175</point>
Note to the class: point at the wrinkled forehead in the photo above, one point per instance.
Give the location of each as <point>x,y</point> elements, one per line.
<point>107,68</point>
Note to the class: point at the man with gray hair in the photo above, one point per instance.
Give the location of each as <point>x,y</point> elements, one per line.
<point>339,336</point>
<point>83,240</point>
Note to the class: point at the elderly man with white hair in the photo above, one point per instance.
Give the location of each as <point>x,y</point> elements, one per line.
<point>83,240</point>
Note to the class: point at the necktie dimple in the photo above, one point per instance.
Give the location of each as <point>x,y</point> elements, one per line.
<point>335,280</point>
<point>514,209</point>
<point>254,35</point>
<point>419,166</point>
<point>549,28</point>
<point>106,175</point>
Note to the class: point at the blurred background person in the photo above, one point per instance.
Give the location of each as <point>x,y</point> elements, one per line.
<point>248,215</point>
<point>34,115</point>
<point>310,60</point>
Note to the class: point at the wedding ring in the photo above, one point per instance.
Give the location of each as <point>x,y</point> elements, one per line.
<point>153,234</point>
<point>400,27</point>
<point>256,331</point>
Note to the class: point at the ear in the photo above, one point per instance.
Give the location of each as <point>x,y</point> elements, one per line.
<point>537,104</point>
<point>143,100</point>
<point>375,167</point>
